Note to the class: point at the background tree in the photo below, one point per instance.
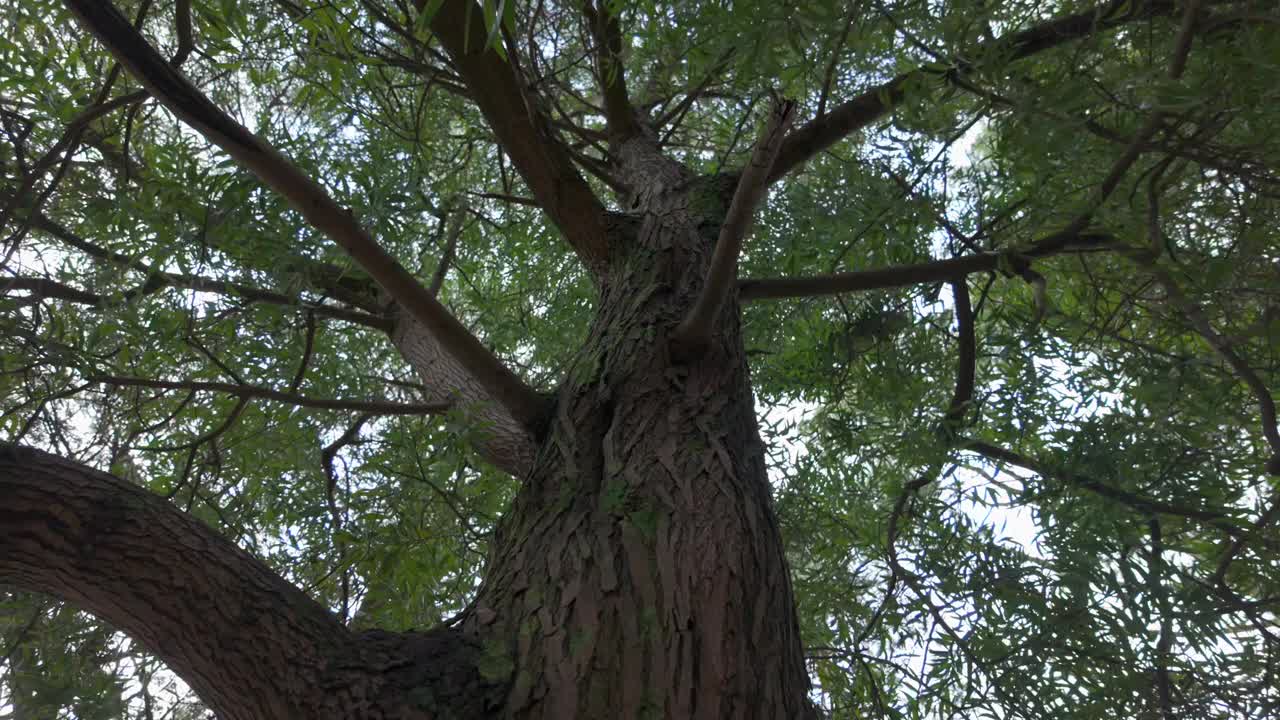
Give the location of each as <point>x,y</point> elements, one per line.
<point>1003,280</point>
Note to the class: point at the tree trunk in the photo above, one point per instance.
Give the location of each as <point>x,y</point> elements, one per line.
<point>640,572</point>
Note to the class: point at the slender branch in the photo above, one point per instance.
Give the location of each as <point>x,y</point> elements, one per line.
<point>327,457</point>
<point>936,271</point>
<point>45,288</point>
<point>852,115</point>
<point>450,250</point>
<point>522,130</point>
<point>829,78</point>
<point>328,279</point>
<point>310,199</point>
<point>308,347</point>
<point>1266,403</point>
<point>677,112</point>
<point>1237,544</point>
<point>695,330</point>
<point>607,32</point>
<point>376,407</point>
<point>504,197</point>
<point>1140,503</point>
<point>1157,590</point>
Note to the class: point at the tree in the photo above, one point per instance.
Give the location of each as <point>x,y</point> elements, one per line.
<point>326,323</point>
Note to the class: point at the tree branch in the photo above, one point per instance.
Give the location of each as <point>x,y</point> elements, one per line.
<point>253,646</point>
<point>619,113</point>
<point>182,27</point>
<point>676,113</point>
<point>311,200</point>
<point>852,115</point>
<point>695,330</point>
<point>375,407</point>
<point>948,270</point>
<point>968,358</point>
<point>45,288</point>
<point>1251,379</point>
<point>214,614</point>
<point>522,130</point>
<point>1140,503</point>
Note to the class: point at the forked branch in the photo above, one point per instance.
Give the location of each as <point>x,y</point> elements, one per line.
<point>695,330</point>
<point>310,199</point>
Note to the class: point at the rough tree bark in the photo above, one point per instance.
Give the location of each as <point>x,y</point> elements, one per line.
<point>640,571</point>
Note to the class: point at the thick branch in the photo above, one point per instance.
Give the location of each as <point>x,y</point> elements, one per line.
<point>826,130</point>
<point>521,129</point>
<point>44,288</point>
<point>310,199</point>
<point>233,629</point>
<point>693,333</point>
<point>375,407</point>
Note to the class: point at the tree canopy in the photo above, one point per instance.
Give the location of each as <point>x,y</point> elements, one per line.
<point>1011,302</point>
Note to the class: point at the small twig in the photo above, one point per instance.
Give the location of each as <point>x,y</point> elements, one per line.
<point>327,456</point>
<point>450,249</point>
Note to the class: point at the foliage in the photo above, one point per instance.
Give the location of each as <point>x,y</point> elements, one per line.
<point>1102,578</point>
